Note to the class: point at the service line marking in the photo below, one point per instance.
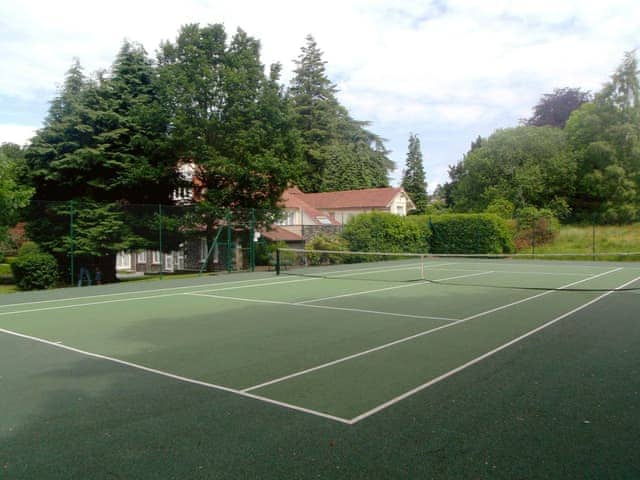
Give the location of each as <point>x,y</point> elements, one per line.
<point>417,335</point>
<point>485,355</point>
<point>176,377</point>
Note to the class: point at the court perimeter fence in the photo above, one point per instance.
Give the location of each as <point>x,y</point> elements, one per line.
<point>145,239</point>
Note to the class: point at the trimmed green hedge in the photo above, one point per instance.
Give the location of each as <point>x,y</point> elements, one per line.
<point>385,232</point>
<point>35,271</point>
<point>470,233</point>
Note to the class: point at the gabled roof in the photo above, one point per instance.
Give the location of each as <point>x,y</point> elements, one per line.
<point>294,198</point>
<point>366,198</point>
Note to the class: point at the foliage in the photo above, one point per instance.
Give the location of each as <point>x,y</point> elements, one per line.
<point>328,242</point>
<point>13,194</point>
<point>469,233</point>
<point>605,139</point>
<point>230,119</point>
<point>554,109</point>
<point>524,165</point>
<point>103,145</point>
<point>535,227</point>
<point>339,153</point>
<point>28,248</point>
<point>34,271</point>
<point>413,178</point>
<point>501,207</point>
<point>385,232</point>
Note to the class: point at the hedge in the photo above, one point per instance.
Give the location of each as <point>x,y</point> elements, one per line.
<point>35,271</point>
<point>385,232</point>
<point>469,233</point>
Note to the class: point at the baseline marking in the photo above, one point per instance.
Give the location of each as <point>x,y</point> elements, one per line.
<point>484,356</point>
<point>175,377</point>
<point>149,297</point>
<point>117,294</point>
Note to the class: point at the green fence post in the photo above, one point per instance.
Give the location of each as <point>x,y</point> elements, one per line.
<point>160,239</point>
<point>252,243</point>
<point>229,253</point>
<point>72,240</point>
<point>593,237</point>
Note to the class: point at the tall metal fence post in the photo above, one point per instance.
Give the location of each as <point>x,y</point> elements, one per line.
<point>229,252</point>
<point>533,235</point>
<point>160,239</point>
<point>252,241</point>
<point>593,237</point>
<point>72,243</point>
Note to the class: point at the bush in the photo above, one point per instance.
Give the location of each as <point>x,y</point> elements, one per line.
<point>535,227</point>
<point>501,207</point>
<point>1,257</point>
<point>327,242</point>
<point>34,271</point>
<point>385,232</point>
<point>470,233</point>
<point>28,248</point>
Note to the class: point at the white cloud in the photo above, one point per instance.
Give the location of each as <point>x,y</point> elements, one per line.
<point>18,134</point>
<point>453,67</point>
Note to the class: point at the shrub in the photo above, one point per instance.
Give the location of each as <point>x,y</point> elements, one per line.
<point>27,248</point>
<point>1,257</point>
<point>34,271</point>
<point>327,242</point>
<point>470,233</point>
<point>501,207</point>
<point>385,232</point>
<point>535,227</point>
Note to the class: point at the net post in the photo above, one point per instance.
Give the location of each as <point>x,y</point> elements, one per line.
<point>277,261</point>
<point>421,267</point>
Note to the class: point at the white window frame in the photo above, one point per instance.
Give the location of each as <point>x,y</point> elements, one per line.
<point>142,256</point>
<point>155,257</point>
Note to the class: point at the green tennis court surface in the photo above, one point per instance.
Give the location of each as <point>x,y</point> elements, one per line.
<point>351,373</point>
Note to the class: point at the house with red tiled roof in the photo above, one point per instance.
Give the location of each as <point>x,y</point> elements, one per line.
<point>307,213</point>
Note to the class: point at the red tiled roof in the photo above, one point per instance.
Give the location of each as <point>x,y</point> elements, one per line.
<point>277,234</point>
<point>366,198</point>
<point>294,198</point>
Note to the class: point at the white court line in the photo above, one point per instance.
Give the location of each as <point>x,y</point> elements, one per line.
<point>517,272</point>
<point>199,288</point>
<point>149,297</point>
<point>484,356</point>
<point>245,392</point>
<point>176,377</point>
<point>325,307</point>
<point>354,294</point>
<point>417,335</point>
<point>207,285</point>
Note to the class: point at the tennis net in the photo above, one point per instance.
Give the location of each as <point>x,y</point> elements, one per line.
<point>565,272</point>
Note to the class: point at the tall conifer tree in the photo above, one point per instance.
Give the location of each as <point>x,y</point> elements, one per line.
<point>413,180</point>
<point>339,152</point>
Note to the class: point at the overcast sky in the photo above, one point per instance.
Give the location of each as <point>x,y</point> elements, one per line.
<point>445,70</point>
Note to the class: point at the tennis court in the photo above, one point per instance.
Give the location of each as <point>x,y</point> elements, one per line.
<point>451,367</point>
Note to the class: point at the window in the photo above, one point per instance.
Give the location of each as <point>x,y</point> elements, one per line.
<point>123,260</point>
<point>142,257</point>
<point>288,218</point>
<point>400,210</point>
<point>155,257</point>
